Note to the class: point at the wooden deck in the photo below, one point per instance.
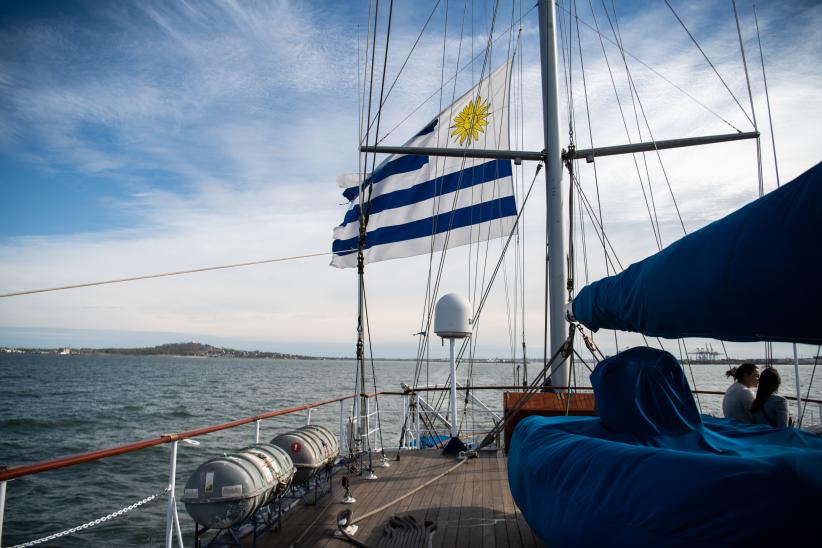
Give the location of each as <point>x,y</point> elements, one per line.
<point>471,506</point>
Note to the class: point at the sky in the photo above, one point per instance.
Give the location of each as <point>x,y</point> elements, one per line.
<point>148,137</point>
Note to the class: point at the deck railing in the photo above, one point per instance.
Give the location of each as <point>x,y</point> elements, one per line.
<point>370,438</point>
<point>414,431</point>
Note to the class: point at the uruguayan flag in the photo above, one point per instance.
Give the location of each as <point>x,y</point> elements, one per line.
<point>416,204</point>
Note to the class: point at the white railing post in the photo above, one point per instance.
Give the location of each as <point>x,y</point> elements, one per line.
<point>417,420</point>
<point>2,507</point>
<point>308,417</point>
<point>256,432</point>
<point>171,513</point>
<point>342,430</point>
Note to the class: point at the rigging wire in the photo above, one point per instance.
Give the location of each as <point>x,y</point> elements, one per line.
<point>570,265</point>
<point>634,94</point>
<point>370,100</point>
<point>443,254</point>
<point>477,286</point>
<point>571,252</point>
<point>659,74</point>
<point>521,234</point>
<point>370,190</point>
<point>162,275</point>
<point>423,347</point>
<point>408,57</point>
<point>767,96</point>
<point>591,141</point>
<point>430,308</point>
<point>600,232</point>
<point>475,321</point>
<point>750,97</point>
<point>365,205</point>
<point>659,158</point>
<point>373,375</point>
<point>810,383</point>
<point>511,54</point>
<point>535,385</point>
<point>381,100</point>
<point>761,189</point>
<point>359,372</point>
<point>468,64</point>
<point>709,62</point>
<point>582,360</point>
<point>687,359</point>
<point>519,289</point>
<point>361,103</point>
<point>625,125</point>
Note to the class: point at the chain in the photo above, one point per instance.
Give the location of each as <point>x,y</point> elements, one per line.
<point>92,523</point>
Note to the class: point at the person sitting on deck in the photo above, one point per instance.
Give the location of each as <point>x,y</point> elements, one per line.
<point>739,397</point>
<point>769,407</point>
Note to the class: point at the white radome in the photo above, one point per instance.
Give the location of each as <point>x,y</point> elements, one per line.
<point>452,317</point>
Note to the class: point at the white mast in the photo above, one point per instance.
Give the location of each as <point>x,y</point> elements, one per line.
<point>556,280</point>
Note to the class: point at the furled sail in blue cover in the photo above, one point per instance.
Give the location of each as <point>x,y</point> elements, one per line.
<point>753,275</point>
<point>650,471</point>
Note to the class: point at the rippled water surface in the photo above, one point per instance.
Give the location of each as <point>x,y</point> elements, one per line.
<point>54,406</point>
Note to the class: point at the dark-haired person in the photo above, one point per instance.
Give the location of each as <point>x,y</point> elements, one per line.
<point>739,397</point>
<point>769,407</point>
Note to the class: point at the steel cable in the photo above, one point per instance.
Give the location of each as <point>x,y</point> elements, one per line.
<point>162,275</point>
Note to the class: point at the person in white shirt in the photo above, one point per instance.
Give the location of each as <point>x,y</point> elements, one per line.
<point>739,397</point>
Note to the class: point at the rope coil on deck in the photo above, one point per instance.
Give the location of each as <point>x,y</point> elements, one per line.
<point>94,522</point>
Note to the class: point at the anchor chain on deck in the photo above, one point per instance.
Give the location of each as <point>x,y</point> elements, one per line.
<point>92,523</point>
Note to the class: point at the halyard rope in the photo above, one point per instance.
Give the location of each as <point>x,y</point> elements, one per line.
<point>408,494</point>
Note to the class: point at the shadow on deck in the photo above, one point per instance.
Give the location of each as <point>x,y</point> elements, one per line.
<point>471,506</point>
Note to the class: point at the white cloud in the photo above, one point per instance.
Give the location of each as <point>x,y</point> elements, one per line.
<point>249,111</point>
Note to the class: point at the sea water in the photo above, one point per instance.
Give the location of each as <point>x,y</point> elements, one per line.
<point>54,406</point>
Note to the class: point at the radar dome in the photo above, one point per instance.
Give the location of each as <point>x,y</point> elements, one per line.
<point>452,317</point>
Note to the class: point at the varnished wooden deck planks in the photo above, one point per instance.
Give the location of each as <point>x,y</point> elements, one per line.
<point>471,506</point>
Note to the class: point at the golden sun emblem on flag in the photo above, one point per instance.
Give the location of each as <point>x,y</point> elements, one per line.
<point>471,121</point>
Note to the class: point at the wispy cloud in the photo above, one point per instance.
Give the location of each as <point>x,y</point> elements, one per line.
<point>223,125</point>
<point>163,86</point>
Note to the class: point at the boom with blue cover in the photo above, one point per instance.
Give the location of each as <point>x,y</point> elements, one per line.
<point>650,471</point>
<point>753,275</point>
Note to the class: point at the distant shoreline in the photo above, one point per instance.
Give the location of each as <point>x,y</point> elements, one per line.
<point>199,350</point>
<point>181,350</point>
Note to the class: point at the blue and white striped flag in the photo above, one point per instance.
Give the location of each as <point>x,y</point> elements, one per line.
<point>417,203</point>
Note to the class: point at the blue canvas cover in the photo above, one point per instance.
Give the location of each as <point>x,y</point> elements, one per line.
<point>752,275</point>
<point>650,471</point>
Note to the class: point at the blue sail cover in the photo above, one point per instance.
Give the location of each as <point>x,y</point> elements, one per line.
<point>753,275</point>
<point>650,471</point>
